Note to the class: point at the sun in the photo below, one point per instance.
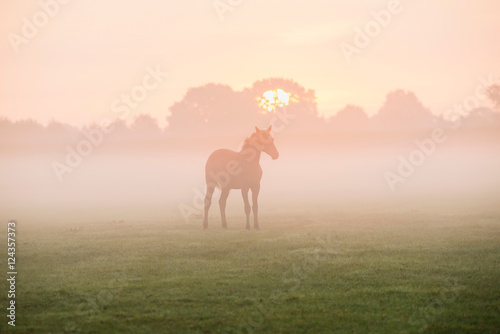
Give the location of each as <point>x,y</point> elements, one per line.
<point>273,99</point>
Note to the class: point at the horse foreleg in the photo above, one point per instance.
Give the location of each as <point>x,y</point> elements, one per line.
<point>222,203</point>
<point>255,206</point>
<point>244,193</point>
<point>208,202</point>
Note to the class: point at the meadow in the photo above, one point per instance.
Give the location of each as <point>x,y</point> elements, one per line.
<point>308,271</point>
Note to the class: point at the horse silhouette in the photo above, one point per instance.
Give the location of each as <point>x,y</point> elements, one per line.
<point>227,169</point>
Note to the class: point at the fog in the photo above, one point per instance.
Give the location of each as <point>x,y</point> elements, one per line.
<point>406,157</point>
<point>162,179</point>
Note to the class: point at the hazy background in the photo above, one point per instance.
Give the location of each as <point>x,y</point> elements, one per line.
<point>143,171</point>
<point>351,120</point>
<point>92,51</point>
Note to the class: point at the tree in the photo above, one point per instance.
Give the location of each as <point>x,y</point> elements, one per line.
<point>145,127</point>
<point>23,131</point>
<point>215,109</point>
<point>302,108</point>
<point>403,110</point>
<point>482,117</point>
<point>209,110</point>
<point>493,93</point>
<point>349,118</point>
<point>118,130</point>
<point>59,132</point>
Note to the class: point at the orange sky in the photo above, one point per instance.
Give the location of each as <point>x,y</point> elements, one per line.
<point>90,52</point>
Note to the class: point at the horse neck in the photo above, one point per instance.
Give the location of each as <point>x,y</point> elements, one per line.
<point>257,157</point>
<point>251,154</point>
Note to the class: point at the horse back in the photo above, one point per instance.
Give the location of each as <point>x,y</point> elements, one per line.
<point>230,169</point>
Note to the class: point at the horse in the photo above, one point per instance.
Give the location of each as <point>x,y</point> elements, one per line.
<point>227,169</point>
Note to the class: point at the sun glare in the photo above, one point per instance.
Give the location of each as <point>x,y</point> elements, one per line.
<point>273,99</point>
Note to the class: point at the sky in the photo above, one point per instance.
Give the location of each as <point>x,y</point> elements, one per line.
<point>88,53</point>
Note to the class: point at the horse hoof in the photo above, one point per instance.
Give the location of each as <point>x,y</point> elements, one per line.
<point>247,227</point>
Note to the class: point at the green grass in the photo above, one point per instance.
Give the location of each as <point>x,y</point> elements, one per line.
<point>363,273</point>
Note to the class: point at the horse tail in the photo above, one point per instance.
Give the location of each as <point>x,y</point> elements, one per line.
<point>211,181</point>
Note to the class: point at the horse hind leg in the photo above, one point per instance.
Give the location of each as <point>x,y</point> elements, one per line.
<point>208,202</point>
<point>255,206</point>
<point>244,193</point>
<point>222,203</point>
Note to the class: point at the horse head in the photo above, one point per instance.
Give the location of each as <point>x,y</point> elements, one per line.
<point>264,142</point>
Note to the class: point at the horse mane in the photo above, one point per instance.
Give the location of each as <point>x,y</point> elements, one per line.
<point>247,142</point>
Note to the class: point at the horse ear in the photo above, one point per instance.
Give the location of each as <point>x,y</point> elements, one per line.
<point>269,128</point>
<point>256,128</point>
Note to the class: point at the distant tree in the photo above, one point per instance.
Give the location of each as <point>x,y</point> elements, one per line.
<point>34,133</point>
<point>29,127</point>
<point>145,127</point>
<point>403,110</point>
<point>349,118</point>
<point>493,93</point>
<point>482,117</point>
<point>6,130</point>
<point>215,109</point>
<point>59,132</point>
<point>5,125</point>
<point>302,108</point>
<point>211,109</point>
<point>24,131</point>
<point>119,130</point>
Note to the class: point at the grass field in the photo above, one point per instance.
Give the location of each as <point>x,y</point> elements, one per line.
<point>383,272</point>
